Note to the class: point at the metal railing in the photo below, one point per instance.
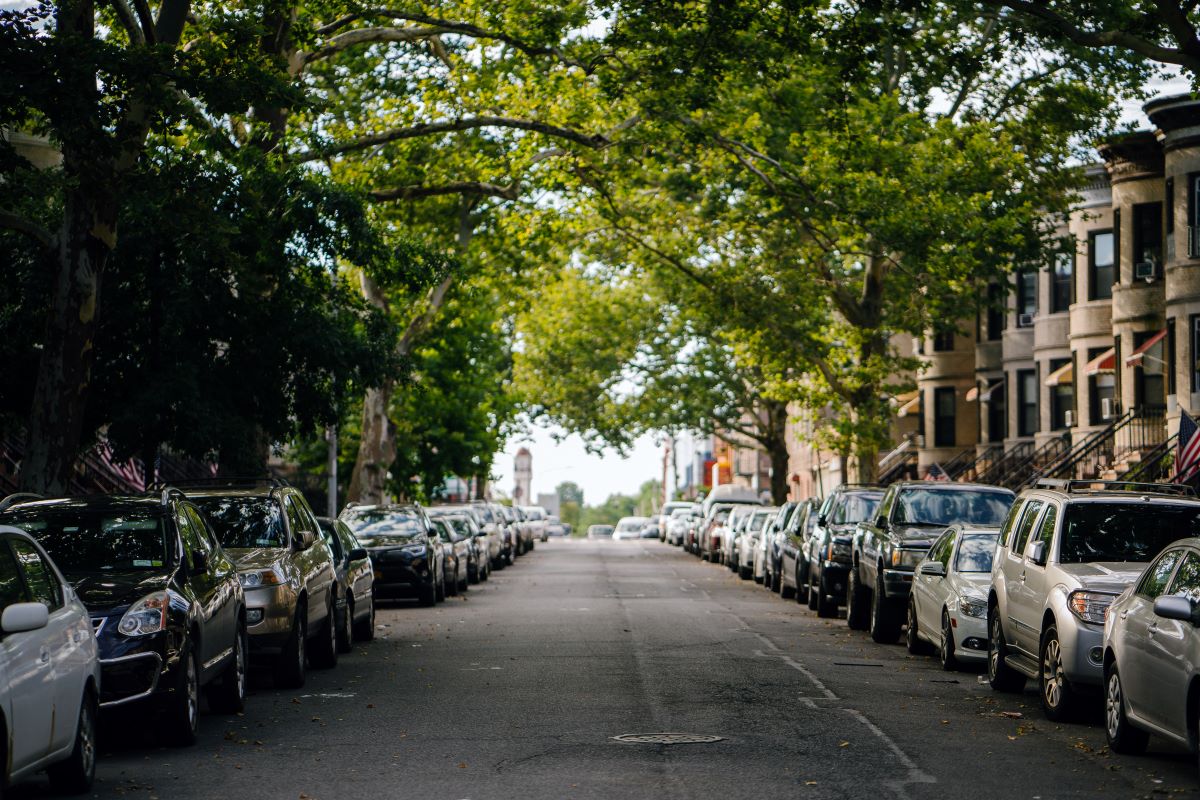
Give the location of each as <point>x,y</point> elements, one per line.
<point>1019,470</point>
<point>1136,430</point>
<point>1157,465</point>
<point>955,466</point>
<point>981,463</point>
<point>996,471</point>
<point>895,455</point>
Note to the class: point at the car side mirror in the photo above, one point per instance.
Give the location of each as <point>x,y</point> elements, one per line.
<point>1168,606</point>
<point>199,561</point>
<point>304,540</point>
<point>21,617</point>
<point>934,568</point>
<point>359,554</point>
<point>881,521</point>
<point>822,520</point>
<point>1037,553</point>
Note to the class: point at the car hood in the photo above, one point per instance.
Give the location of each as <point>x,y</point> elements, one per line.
<point>255,558</point>
<point>845,529</point>
<point>100,592</point>
<point>973,584</point>
<point>1103,576</point>
<point>917,535</point>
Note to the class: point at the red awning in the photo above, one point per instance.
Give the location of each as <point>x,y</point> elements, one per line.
<point>1135,358</point>
<point>1105,362</point>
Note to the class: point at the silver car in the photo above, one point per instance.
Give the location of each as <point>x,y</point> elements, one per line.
<point>1152,653</point>
<point>947,607</point>
<point>1065,554</point>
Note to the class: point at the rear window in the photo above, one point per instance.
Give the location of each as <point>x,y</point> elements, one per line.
<point>1135,531</point>
<point>84,540</point>
<point>855,508</point>
<point>980,507</point>
<point>244,522</point>
<point>384,526</point>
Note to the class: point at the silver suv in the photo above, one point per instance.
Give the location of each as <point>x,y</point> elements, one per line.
<point>1066,551</point>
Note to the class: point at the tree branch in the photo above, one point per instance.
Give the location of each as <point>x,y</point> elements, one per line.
<point>482,188</point>
<point>592,140</point>
<point>16,222</point>
<point>128,21</point>
<point>353,38</point>
<point>146,18</point>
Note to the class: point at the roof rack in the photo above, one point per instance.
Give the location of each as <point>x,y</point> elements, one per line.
<point>221,483</point>
<point>19,497</point>
<point>1134,487</point>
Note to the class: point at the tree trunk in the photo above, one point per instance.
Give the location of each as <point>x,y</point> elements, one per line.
<point>777,450</point>
<point>868,463</point>
<point>64,373</point>
<point>376,449</point>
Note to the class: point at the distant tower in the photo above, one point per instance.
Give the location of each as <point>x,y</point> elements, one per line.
<point>523,475</point>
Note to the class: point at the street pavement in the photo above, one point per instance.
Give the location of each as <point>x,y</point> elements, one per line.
<point>516,691</point>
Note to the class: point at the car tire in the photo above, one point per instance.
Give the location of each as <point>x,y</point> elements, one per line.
<point>1122,736</point>
<point>439,587</point>
<point>785,592</point>
<point>324,654</point>
<point>76,774</point>
<point>858,615</point>
<point>427,596</point>
<point>827,606</point>
<point>228,694</point>
<point>745,573</point>
<point>777,579</point>
<point>1001,676</point>
<point>946,655</point>
<point>182,718</point>
<point>912,638</point>
<point>1058,697</point>
<point>345,634</point>
<point>364,629</point>
<point>884,622</point>
<point>450,587</point>
<point>291,668</point>
<point>812,591</point>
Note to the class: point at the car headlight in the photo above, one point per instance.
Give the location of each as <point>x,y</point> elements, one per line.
<point>1090,606</point>
<point>146,616</point>
<point>260,577</point>
<point>972,607</point>
<point>838,551</point>
<point>907,558</point>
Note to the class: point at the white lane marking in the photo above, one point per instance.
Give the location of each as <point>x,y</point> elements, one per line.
<point>803,670</point>
<point>915,773</point>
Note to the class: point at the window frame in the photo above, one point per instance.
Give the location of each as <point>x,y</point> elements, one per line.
<point>1027,296</point>
<point>1093,286</point>
<point>1057,283</point>
<point>1023,402</point>
<point>939,393</point>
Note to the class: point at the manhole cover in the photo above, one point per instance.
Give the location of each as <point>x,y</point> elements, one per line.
<point>667,738</point>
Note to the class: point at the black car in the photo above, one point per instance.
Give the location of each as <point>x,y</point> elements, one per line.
<point>355,604</point>
<point>888,546</point>
<point>406,553</point>
<point>167,609</point>
<point>830,544</point>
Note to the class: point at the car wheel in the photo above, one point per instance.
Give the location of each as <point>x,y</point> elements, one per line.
<point>427,595</point>
<point>290,670</point>
<point>1001,676</point>
<point>439,587</point>
<point>884,625</point>
<point>364,629</point>
<point>745,573</point>
<point>786,592</point>
<point>1122,736</point>
<point>857,597</point>
<point>946,651</point>
<point>912,639</point>
<point>76,774</point>
<point>827,605</point>
<point>777,579</point>
<point>182,719</point>
<point>228,695</point>
<point>1058,698</point>
<point>324,654</point>
<point>812,591</point>
<point>345,633</point>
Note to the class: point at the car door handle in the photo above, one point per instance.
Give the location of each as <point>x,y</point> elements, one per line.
<point>1021,577</point>
<point>1152,629</point>
<point>44,656</point>
<point>1124,614</point>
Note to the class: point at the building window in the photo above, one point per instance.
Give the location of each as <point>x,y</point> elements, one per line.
<point>944,417</point>
<point>1062,398</point>
<point>1147,234</point>
<point>1100,265</point>
<point>1193,216</point>
<point>995,311</point>
<point>1026,298</point>
<point>1150,376</point>
<point>1062,282</point>
<point>1027,402</point>
<point>997,414</point>
<point>1102,392</point>
<point>943,341</point>
<point>1169,221</point>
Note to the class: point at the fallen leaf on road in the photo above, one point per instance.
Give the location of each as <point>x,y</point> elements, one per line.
<point>462,765</point>
<point>843,744</point>
<point>1012,714</point>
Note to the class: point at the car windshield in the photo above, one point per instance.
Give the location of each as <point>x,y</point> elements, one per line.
<point>1124,531</point>
<point>975,552</point>
<point>486,513</point>
<point>86,540</point>
<point>462,525</point>
<point>244,522</point>
<point>855,508</point>
<point>631,524</point>
<point>376,525</point>
<point>951,506</point>
<point>756,522</point>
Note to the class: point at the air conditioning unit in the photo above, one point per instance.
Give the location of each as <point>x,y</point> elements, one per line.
<point>1106,408</point>
<point>1069,418</point>
<point>1024,320</point>
<point>1146,271</point>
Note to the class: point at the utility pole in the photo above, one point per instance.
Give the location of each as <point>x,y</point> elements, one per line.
<point>331,501</point>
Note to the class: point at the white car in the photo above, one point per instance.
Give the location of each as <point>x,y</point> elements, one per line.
<point>49,673</point>
<point>630,527</point>
<point>948,603</point>
<point>747,541</point>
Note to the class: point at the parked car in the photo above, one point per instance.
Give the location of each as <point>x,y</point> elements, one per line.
<point>406,553</point>
<point>493,540</point>
<point>748,541</point>
<point>539,521</point>
<point>1066,552</point>
<point>166,607</point>
<point>556,527</point>
<point>479,563</point>
<point>736,524</point>
<point>355,606</point>
<point>728,494</point>
<point>457,550</point>
<point>772,545</point>
<point>600,531</point>
<point>629,528</point>
<point>527,532</point>
<point>1152,654</point>
<point>714,527</point>
<point>650,529</point>
<point>826,546</point>
<point>677,525</point>
<point>285,568</point>
<point>493,523</point>
<point>887,549</point>
<point>667,512</point>
<point>948,604</point>
<point>49,670</point>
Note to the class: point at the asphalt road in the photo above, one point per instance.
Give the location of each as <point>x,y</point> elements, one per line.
<point>517,690</point>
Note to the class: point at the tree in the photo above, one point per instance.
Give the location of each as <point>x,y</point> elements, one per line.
<point>569,492</point>
<point>649,497</point>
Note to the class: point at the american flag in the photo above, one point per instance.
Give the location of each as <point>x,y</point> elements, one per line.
<point>1187,451</point>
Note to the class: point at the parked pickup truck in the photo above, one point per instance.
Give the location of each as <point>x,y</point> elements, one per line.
<point>887,548</point>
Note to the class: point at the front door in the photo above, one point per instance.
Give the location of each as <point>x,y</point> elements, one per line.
<point>1014,578</point>
<point>1167,654</point>
<point>1032,598</point>
<point>25,661</point>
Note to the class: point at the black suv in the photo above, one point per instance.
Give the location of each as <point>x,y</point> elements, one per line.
<point>167,609</point>
<point>827,566</point>
<point>405,551</point>
<point>887,548</point>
